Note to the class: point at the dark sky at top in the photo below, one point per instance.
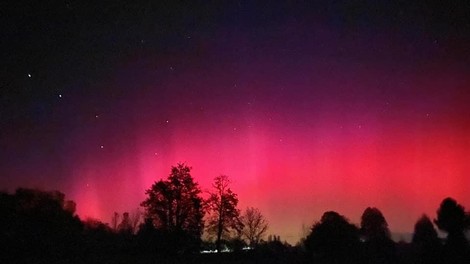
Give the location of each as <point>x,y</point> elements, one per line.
<point>307,106</point>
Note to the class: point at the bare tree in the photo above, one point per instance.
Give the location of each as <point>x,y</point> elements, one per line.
<point>223,213</point>
<point>115,221</point>
<point>125,225</point>
<point>255,226</point>
<point>135,219</point>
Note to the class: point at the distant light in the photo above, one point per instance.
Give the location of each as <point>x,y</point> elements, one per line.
<point>102,146</point>
<point>60,96</point>
<point>208,251</point>
<point>167,121</point>
<point>29,75</point>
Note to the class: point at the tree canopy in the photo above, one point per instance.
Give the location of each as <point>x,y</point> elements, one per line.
<point>175,206</point>
<point>333,237</point>
<point>373,225</point>
<point>451,217</point>
<point>224,216</point>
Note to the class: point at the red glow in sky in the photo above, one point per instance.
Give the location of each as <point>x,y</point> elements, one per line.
<point>296,163</point>
<point>306,110</point>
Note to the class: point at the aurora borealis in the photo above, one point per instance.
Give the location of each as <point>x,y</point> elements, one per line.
<point>306,107</point>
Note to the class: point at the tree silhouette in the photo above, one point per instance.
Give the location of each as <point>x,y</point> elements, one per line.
<point>424,231</point>
<point>147,237</point>
<point>373,225</point>
<point>115,221</point>
<point>224,216</point>
<point>129,223</point>
<point>451,218</point>
<point>426,243</point>
<point>135,219</point>
<point>379,247</point>
<point>125,227</point>
<point>38,222</point>
<point>175,206</point>
<point>333,238</point>
<point>255,226</point>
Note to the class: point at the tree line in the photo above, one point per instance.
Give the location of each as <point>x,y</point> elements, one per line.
<point>174,219</point>
<point>177,221</point>
<point>175,207</point>
<point>335,239</point>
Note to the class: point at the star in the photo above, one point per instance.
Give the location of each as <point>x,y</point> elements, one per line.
<point>60,95</point>
<point>102,147</point>
<point>167,121</point>
<point>29,75</point>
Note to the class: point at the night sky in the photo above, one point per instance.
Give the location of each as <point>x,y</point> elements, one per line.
<point>307,107</point>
